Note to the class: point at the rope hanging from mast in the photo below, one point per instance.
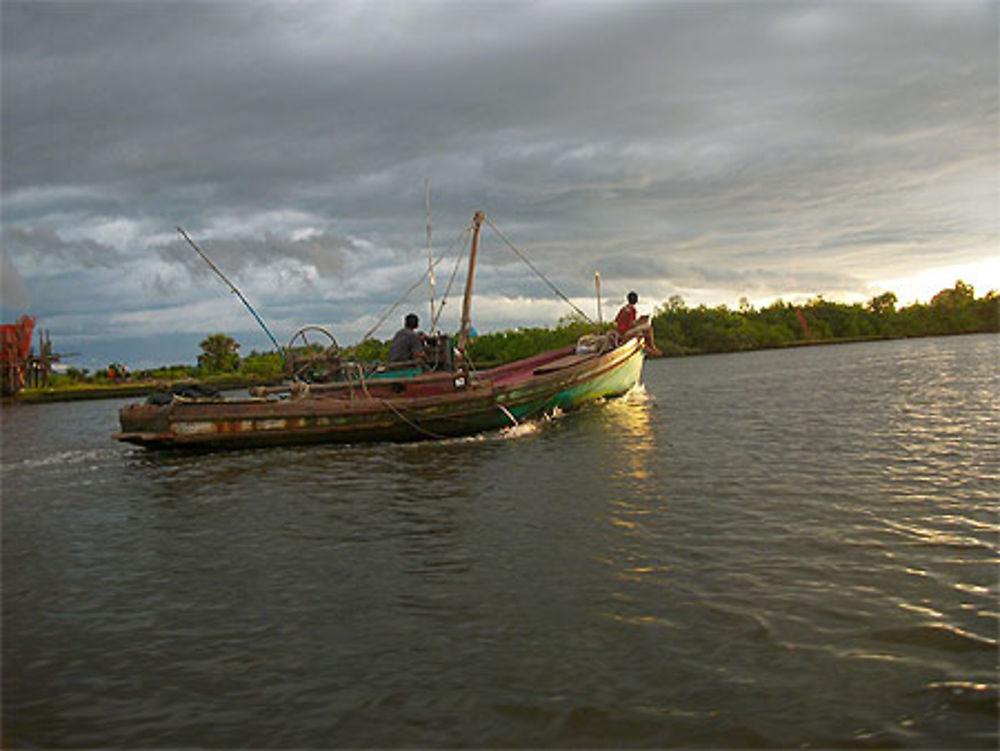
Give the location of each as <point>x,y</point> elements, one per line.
<point>541,276</point>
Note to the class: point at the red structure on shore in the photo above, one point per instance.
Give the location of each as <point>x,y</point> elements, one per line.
<point>19,365</point>
<point>15,351</point>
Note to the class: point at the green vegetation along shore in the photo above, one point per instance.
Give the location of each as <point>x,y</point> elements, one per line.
<point>679,329</point>
<point>701,330</point>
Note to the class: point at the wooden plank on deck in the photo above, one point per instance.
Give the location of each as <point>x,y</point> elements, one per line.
<point>562,363</point>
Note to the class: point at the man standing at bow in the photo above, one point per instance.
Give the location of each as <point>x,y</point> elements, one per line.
<point>630,325</point>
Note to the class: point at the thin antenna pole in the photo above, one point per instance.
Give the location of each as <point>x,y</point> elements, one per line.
<point>235,291</point>
<point>600,311</point>
<point>430,262</point>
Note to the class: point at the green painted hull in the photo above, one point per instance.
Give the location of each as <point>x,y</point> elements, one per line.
<point>612,382</point>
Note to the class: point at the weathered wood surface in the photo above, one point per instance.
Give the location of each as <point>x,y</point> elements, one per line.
<point>562,363</point>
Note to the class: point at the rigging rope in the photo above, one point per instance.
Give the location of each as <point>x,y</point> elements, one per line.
<point>430,270</point>
<point>541,276</point>
<point>451,281</point>
<point>409,422</point>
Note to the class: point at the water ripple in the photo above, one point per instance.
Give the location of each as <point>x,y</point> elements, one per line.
<point>777,549</point>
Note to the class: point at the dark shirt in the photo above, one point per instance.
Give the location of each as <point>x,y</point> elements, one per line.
<point>406,345</point>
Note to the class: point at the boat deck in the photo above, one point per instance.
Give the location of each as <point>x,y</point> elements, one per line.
<point>523,370</point>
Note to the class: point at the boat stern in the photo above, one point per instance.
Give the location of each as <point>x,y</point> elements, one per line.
<point>144,424</point>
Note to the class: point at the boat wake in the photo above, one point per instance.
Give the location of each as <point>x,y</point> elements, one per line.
<point>638,395</point>
<point>72,457</point>
<point>521,430</point>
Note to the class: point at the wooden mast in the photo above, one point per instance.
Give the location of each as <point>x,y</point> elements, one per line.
<point>463,335</point>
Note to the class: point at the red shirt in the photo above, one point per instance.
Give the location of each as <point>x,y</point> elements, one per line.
<point>626,318</point>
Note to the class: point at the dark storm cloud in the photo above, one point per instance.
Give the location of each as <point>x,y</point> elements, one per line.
<point>325,253</point>
<point>246,104</point>
<point>729,148</point>
<point>13,294</point>
<point>44,244</point>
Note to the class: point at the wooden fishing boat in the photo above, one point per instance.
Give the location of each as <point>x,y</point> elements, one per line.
<point>451,400</point>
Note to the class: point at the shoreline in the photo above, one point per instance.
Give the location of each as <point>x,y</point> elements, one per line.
<point>86,392</point>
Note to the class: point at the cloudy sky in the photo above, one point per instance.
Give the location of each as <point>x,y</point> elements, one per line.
<point>715,150</point>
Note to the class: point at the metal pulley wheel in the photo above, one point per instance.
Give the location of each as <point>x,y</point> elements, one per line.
<point>312,355</point>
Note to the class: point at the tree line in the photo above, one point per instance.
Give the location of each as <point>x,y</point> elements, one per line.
<point>681,330</point>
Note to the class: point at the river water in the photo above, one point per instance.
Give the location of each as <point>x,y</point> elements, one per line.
<point>776,549</point>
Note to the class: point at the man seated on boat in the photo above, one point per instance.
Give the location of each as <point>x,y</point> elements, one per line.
<point>630,325</point>
<point>408,344</point>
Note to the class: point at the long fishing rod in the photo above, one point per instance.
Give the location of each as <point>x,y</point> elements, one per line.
<point>234,290</point>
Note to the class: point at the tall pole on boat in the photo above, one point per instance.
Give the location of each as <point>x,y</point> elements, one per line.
<point>463,334</point>
<point>430,261</point>
<point>600,312</point>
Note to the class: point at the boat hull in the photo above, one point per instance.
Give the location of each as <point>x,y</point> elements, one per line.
<point>442,408</point>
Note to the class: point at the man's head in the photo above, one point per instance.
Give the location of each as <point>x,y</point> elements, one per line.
<point>411,321</point>
<point>633,298</point>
